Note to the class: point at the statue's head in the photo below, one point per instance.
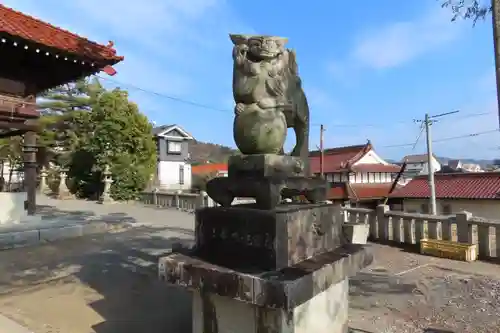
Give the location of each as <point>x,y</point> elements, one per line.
<point>261,46</point>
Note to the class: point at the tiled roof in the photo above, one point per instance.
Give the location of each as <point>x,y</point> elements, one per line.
<point>417,158</point>
<point>358,191</point>
<point>481,185</point>
<point>336,159</point>
<point>368,191</point>
<point>208,168</point>
<point>159,129</point>
<point>17,24</point>
<point>369,167</point>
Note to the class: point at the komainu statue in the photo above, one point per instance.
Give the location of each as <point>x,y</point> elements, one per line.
<point>269,97</point>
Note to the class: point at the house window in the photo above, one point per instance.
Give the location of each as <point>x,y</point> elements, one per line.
<point>181,174</point>
<point>446,209</point>
<point>174,147</point>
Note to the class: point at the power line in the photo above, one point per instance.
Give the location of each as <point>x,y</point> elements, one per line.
<point>173,98</point>
<point>448,139</point>
<point>418,138</point>
<point>209,107</point>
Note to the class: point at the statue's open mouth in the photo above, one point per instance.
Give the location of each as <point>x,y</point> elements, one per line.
<point>266,54</point>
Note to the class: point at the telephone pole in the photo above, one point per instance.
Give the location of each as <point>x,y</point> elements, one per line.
<point>427,123</point>
<point>495,17</point>
<point>322,151</point>
<point>432,184</point>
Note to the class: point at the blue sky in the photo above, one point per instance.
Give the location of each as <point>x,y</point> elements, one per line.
<point>368,69</point>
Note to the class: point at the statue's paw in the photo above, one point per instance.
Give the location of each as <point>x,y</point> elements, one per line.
<point>239,108</point>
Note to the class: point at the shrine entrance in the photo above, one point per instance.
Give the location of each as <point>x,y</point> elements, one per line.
<point>37,56</point>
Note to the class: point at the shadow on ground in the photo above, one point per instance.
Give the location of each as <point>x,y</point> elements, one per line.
<point>368,284</point>
<point>122,270</point>
<point>52,212</point>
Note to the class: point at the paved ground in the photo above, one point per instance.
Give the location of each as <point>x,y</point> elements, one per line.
<point>107,284</point>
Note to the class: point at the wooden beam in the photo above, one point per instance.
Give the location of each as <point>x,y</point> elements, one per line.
<point>12,133</point>
<point>19,126</point>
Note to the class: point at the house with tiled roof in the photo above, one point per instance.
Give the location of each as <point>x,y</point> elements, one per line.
<point>475,192</point>
<point>173,170</point>
<point>216,169</point>
<point>418,165</point>
<point>357,174</point>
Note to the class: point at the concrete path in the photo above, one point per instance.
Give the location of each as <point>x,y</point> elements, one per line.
<point>63,219</point>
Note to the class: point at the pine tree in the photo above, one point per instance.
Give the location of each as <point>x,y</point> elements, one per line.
<point>63,111</point>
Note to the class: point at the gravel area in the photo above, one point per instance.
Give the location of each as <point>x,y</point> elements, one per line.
<point>427,295</point>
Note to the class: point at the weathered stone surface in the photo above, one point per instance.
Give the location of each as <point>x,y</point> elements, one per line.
<point>269,97</point>
<point>356,233</point>
<point>265,165</point>
<point>267,191</point>
<point>267,239</point>
<point>258,131</point>
<point>285,289</point>
<point>324,313</point>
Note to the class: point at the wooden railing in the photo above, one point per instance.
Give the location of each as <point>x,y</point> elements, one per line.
<point>409,228</point>
<point>183,201</point>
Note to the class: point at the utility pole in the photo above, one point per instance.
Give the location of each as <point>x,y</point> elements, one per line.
<point>495,16</point>
<point>432,185</point>
<point>322,151</point>
<point>427,123</point>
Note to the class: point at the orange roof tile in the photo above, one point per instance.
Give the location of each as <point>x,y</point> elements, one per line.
<point>473,185</point>
<point>356,192</point>
<point>31,29</point>
<point>208,168</point>
<point>336,159</point>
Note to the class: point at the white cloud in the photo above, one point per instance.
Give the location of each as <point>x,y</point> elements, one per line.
<point>397,43</point>
<point>401,42</point>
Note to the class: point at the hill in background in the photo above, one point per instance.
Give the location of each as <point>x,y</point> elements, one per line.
<point>203,152</point>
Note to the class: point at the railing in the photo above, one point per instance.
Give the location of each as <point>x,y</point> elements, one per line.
<point>184,201</point>
<point>409,228</point>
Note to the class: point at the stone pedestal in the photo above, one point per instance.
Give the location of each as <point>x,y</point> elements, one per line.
<point>279,270</point>
<point>311,296</point>
<point>326,312</point>
<point>267,239</point>
<point>268,178</point>
<point>268,267</point>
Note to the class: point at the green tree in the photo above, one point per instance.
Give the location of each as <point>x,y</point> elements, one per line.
<point>64,111</point>
<point>120,137</point>
<point>11,153</point>
<point>468,9</point>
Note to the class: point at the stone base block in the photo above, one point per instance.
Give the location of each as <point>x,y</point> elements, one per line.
<point>326,312</point>
<point>265,165</point>
<point>356,233</point>
<point>310,296</point>
<point>267,239</point>
<point>268,192</point>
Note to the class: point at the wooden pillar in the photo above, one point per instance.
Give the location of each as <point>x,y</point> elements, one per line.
<point>29,150</point>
